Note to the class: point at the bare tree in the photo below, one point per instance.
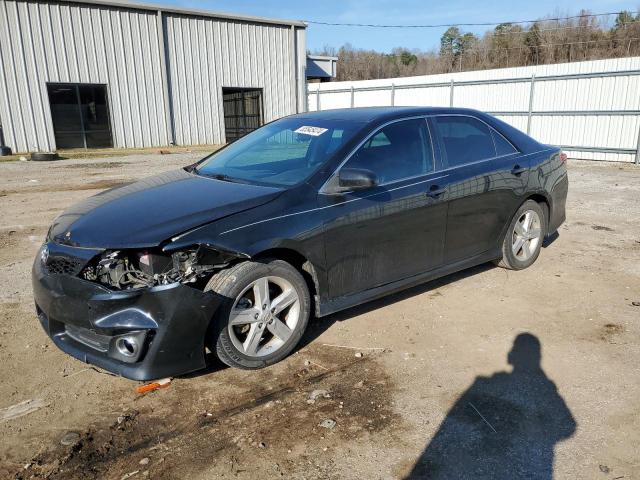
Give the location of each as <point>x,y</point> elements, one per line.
<point>545,41</point>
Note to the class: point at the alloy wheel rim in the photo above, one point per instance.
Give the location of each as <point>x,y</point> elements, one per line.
<point>264,316</point>
<point>526,235</point>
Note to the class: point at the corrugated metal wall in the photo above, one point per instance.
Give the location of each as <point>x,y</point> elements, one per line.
<point>615,98</point>
<point>52,42</point>
<point>301,78</point>
<point>206,55</point>
<point>44,42</point>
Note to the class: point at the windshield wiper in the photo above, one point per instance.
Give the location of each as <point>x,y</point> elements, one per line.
<point>217,176</point>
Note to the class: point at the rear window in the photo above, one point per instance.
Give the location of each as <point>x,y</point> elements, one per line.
<point>503,147</point>
<point>465,139</point>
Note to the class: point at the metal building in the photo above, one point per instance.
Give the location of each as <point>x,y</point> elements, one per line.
<point>94,73</point>
<point>321,68</point>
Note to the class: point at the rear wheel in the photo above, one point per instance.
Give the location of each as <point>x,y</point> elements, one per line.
<point>264,313</point>
<point>523,241</point>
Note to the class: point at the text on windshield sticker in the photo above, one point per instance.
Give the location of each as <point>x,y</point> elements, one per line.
<point>315,131</point>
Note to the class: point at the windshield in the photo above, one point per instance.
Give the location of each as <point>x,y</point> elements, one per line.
<point>283,153</point>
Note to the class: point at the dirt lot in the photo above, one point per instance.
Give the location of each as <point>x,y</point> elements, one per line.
<point>432,390</point>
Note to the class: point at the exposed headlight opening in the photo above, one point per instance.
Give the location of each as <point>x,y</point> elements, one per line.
<point>129,269</point>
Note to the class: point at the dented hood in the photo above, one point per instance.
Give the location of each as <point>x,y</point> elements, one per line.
<point>145,213</point>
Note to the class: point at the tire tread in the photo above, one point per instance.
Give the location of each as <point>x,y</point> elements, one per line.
<point>221,282</point>
<point>505,261</point>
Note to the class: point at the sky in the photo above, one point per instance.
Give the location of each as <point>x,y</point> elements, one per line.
<point>401,12</point>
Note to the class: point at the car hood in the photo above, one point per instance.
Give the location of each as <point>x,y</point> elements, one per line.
<point>145,213</point>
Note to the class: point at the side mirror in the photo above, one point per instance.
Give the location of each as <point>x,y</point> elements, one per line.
<point>356,179</point>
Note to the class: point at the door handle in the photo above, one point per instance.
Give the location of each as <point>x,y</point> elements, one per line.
<point>435,191</point>
<point>518,170</point>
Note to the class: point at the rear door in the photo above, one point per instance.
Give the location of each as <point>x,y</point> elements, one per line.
<point>487,179</point>
<point>396,229</point>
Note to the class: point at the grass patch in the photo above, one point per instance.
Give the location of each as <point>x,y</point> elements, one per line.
<point>118,152</point>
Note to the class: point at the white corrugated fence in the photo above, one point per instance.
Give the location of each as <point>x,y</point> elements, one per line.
<point>591,109</point>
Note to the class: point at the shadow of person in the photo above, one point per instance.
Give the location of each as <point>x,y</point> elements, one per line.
<point>503,427</point>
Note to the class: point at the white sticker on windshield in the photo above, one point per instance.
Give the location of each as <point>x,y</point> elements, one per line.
<point>315,131</point>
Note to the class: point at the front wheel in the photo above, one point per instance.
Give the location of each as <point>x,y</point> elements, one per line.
<point>523,241</point>
<point>263,315</point>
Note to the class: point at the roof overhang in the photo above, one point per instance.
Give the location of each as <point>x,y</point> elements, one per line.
<point>322,57</point>
<point>185,11</point>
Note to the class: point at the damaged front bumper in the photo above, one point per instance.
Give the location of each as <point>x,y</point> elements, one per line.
<point>141,334</point>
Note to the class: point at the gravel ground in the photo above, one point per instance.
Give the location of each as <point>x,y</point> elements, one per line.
<point>484,371</point>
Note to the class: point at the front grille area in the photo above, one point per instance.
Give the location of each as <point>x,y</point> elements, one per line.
<point>64,265</point>
<point>89,338</point>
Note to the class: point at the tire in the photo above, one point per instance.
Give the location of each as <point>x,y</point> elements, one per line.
<point>521,247</point>
<point>44,156</point>
<point>237,286</point>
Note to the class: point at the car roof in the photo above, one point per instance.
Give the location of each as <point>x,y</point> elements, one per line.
<point>377,114</point>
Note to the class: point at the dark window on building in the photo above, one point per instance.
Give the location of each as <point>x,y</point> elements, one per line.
<point>80,114</point>
<point>242,111</point>
<point>465,139</point>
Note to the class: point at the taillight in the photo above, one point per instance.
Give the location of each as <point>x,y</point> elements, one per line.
<point>563,157</point>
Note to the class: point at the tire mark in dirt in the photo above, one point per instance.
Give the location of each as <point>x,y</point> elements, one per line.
<point>196,429</point>
<point>14,239</point>
<point>98,165</point>
<point>97,185</point>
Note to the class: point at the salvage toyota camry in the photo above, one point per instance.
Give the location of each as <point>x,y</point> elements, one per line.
<point>310,214</point>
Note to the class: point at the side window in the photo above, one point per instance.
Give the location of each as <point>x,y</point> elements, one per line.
<point>399,150</point>
<point>503,147</point>
<point>465,139</point>
<point>378,140</point>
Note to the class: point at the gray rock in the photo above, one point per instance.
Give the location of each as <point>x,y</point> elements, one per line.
<point>328,424</point>
<point>313,396</point>
<point>70,438</point>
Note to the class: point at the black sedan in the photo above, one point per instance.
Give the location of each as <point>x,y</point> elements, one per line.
<point>310,214</point>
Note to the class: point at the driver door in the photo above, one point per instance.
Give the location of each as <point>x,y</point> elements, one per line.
<point>395,229</point>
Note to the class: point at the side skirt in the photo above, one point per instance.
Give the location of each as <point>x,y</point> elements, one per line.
<point>348,301</point>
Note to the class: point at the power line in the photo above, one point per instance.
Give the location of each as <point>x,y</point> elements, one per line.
<point>557,29</point>
<point>537,48</point>
<point>481,24</point>
<point>545,45</point>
